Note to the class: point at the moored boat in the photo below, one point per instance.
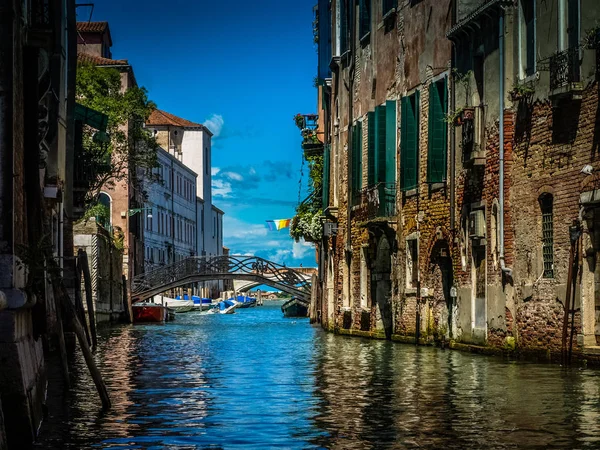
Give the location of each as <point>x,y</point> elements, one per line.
<point>149,312</point>
<point>295,307</point>
<point>176,304</point>
<point>225,307</point>
<point>245,301</point>
<point>202,304</point>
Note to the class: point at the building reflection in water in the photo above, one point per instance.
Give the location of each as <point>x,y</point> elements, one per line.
<point>375,394</point>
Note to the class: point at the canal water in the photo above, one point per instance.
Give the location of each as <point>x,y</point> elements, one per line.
<point>256,380</point>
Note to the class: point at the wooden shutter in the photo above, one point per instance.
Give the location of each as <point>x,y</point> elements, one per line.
<point>326,176</point>
<point>359,156</point>
<point>409,153</point>
<point>437,133</point>
<point>390,142</point>
<point>387,5</point>
<point>380,144</point>
<point>371,148</point>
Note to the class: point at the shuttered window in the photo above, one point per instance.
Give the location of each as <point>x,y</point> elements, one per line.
<point>438,132</point>
<point>390,142</point>
<point>409,142</point>
<point>388,5</point>
<point>364,17</point>
<point>356,161</point>
<point>379,144</point>
<point>371,148</point>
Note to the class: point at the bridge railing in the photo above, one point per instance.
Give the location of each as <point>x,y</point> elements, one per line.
<point>220,267</point>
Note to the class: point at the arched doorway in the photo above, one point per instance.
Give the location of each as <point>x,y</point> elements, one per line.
<point>105,216</point>
<point>441,279</point>
<point>381,287</point>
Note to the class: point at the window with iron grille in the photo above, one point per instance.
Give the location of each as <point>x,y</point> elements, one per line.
<point>546,205</point>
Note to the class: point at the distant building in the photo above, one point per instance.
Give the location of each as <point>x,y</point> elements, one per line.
<point>93,47</point>
<point>170,231</point>
<point>190,144</point>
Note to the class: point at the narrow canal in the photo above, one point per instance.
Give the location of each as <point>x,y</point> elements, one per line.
<point>257,380</point>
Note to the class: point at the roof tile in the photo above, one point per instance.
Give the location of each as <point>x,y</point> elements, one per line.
<point>159,117</point>
<point>92,27</point>
<point>99,60</point>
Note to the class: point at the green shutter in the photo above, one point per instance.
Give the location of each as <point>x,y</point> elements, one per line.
<point>371,148</point>
<point>390,142</point>
<point>356,159</point>
<point>410,143</point>
<point>326,177</point>
<point>380,145</point>
<point>437,136</point>
<point>359,155</point>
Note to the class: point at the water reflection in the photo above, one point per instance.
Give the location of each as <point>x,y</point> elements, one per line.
<point>257,380</point>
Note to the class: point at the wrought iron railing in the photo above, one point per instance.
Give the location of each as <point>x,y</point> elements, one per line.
<point>199,268</point>
<point>379,200</point>
<point>564,68</point>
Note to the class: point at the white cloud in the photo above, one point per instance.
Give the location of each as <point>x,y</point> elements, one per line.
<point>221,188</point>
<point>214,171</point>
<point>233,176</point>
<point>215,124</point>
<point>302,249</point>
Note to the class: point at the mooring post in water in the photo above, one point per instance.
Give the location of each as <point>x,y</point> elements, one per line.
<point>79,310</point>
<point>85,349</point>
<point>61,337</point>
<point>87,280</point>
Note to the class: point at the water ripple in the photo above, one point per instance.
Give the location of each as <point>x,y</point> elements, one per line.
<point>255,380</point>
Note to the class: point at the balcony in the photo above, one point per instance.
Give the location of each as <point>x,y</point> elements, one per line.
<point>378,201</point>
<point>565,74</point>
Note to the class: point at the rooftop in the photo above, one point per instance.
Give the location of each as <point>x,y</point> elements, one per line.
<point>92,27</point>
<point>83,57</point>
<point>163,118</point>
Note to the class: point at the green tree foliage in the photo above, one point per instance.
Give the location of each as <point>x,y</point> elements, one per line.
<point>306,224</point>
<point>131,150</point>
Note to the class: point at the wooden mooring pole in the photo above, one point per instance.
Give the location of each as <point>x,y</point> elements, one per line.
<point>87,280</point>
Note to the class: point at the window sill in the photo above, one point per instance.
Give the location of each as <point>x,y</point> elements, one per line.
<point>411,291</point>
<point>411,193</point>
<point>436,186</point>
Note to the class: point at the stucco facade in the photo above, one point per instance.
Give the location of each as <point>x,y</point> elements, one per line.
<point>189,145</point>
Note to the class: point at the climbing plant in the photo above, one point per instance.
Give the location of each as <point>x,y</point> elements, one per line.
<point>306,224</point>
<point>129,145</point>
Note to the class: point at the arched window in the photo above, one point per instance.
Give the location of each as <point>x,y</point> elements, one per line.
<point>105,218</point>
<point>546,206</point>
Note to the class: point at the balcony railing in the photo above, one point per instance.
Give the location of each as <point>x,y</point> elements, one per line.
<point>564,68</point>
<point>379,200</point>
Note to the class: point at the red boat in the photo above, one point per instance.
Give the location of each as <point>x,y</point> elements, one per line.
<point>148,312</point>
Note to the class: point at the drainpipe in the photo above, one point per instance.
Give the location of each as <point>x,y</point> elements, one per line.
<point>505,270</point>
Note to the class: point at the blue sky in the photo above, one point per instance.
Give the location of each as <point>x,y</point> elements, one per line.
<point>244,69</point>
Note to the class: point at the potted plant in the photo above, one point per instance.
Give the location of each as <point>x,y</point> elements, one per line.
<point>455,117</point>
<point>300,121</point>
<point>521,91</point>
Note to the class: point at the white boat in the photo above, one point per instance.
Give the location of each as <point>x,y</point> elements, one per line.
<point>225,307</point>
<point>177,305</point>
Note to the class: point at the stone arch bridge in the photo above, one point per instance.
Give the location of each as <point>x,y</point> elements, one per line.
<point>252,270</point>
